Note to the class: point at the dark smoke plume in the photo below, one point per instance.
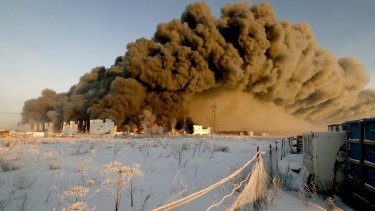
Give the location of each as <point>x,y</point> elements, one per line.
<point>260,70</point>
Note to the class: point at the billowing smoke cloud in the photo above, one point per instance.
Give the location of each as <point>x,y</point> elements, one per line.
<point>237,111</point>
<point>260,69</point>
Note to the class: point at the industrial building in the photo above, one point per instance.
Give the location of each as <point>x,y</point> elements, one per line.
<point>199,130</point>
<point>98,126</point>
<point>70,128</point>
<point>4,133</point>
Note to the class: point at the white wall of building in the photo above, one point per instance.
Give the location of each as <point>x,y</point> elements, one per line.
<point>199,130</point>
<point>98,126</point>
<point>48,127</point>
<point>70,128</point>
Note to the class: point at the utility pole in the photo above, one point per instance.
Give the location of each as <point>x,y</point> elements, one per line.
<point>214,107</point>
<point>185,126</point>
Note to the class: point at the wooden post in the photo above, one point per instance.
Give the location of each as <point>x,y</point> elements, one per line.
<point>258,153</point>
<point>271,160</point>
<point>282,148</point>
<point>276,145</point>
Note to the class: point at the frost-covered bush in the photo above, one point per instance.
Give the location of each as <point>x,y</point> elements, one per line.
<point>220,148</point>
<point>117,176</point>
<point>307,192</point>
<point>330,204</point>
<point>275,188</point>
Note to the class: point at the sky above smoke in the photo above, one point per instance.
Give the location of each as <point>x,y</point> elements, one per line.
<point>244,54</point>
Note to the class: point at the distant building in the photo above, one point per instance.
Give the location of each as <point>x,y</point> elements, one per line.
<point>48,127</point>
<point>98,126</point>
<point>263,134</point>
<point>29,127</point>
<point>4,133</point>
<point>70,128</point>
<point>235,132</point>
<point>36,134</point>
<point>199,130</point>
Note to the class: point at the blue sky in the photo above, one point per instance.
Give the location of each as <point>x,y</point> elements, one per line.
<point>51,43</point>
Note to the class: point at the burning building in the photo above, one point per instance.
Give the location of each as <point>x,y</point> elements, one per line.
<point>70,128</point>
<point>98,126</point>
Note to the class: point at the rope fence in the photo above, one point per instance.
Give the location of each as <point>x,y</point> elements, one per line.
<point>204,191</point>
<point>234,189</point>
<point>275,154</point>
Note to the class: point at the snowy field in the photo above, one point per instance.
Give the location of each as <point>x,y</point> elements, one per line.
<point>70,174</point>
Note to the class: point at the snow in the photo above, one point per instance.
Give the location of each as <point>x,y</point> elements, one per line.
<point>37,173</point>
<point>289,200</point>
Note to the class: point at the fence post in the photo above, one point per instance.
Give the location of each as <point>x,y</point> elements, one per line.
<point>271,160</point>
<point>276,145</point>
<point>283,147</point>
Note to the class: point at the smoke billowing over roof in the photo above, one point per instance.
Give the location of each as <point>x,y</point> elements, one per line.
<point>258,68</point>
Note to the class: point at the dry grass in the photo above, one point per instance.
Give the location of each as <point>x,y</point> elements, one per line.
<point>275,189</point>
<point>307,192</point>
<point>330,204</point>
<point>220,148</point>
<point>53,166</point>
<point>10,161</point>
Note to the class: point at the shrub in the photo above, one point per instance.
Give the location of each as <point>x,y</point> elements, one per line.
<point>306,192</point>
<point>10,164</point>
<point>330,204</point>
<point>53,166</point>
<point>275,188</point>
<point>22,182</point>
<point>219,148</point>
<point>117,176</point>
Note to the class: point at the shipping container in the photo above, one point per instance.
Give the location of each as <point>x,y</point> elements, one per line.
<point>354,148</point>
<point>325,158</point>
<point>336,127</point>
<point>369,153</point>
<point>361,159</point>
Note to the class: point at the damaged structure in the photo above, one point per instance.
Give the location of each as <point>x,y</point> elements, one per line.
<point>70,128</point>
<point>98,126</point>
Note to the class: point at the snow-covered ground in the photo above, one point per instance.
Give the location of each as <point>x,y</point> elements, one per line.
<point>48,174</point>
